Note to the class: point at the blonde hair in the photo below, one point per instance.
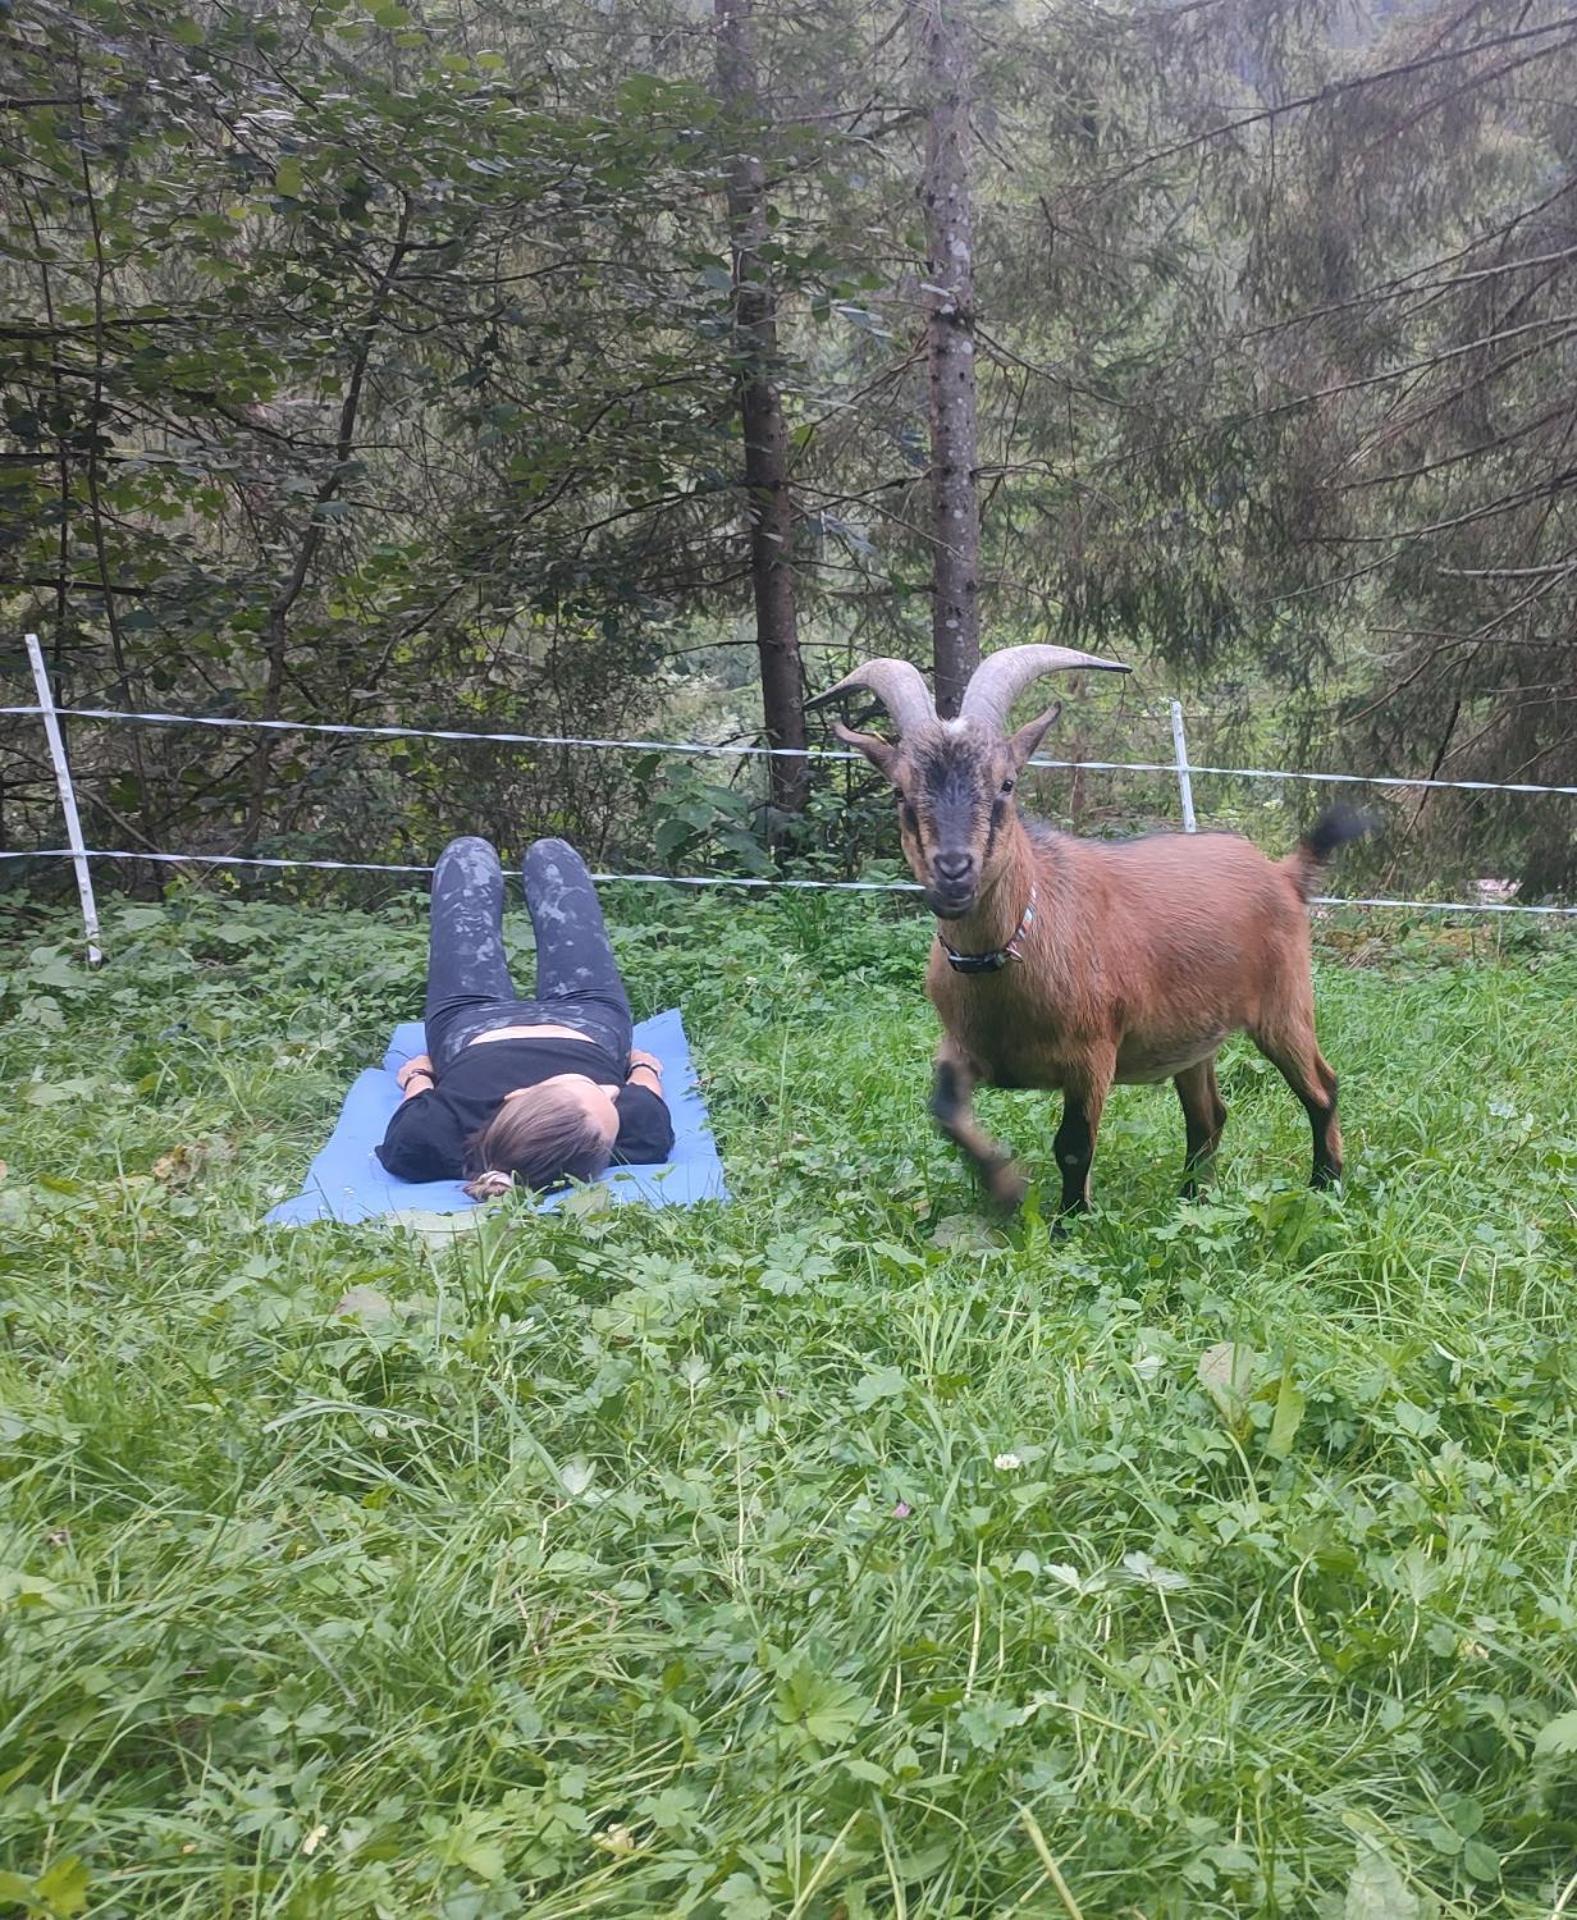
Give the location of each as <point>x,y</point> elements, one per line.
<point>541,1138</point>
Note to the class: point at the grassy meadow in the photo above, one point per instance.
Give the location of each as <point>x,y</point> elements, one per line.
<point>830,1553</point>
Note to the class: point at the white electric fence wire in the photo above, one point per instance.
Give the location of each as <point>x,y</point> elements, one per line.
<point>1179,766</point>
<point>704,749</point>
<point>371,866</point>
<point>699,879</point>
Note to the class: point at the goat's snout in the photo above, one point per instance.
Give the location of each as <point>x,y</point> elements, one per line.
<point>955,882</point>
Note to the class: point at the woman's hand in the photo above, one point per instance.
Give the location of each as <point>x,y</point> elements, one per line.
<point>416,1076</point>
<point>648,1065</point>
<point>490,1185</point>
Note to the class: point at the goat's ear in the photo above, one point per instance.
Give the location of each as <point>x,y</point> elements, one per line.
<point>882,755</point>
<point>1023,743</point>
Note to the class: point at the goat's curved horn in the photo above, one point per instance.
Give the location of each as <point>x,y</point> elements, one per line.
<point>896,684</point>
<point>1001,677</point>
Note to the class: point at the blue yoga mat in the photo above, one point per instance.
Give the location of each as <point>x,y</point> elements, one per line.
<point>347,1182</point>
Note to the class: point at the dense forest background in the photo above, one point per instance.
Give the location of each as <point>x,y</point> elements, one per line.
<point>564,369</point>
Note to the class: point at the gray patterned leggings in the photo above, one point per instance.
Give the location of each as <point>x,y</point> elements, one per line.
<point>469,989</point>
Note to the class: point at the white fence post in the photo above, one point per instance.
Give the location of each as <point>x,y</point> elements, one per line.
<point>1185,785</point>
<point>68,798</point>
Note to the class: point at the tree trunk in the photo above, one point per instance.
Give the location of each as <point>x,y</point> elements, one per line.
<point>950,342</point>
<point>771,504</point>
<point>277,630</point>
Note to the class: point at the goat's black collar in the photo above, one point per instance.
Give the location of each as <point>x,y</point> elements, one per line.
<point>998,957</point>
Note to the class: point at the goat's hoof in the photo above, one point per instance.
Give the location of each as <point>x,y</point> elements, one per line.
<point>1067,1213</point>
<point>1007,1187</point>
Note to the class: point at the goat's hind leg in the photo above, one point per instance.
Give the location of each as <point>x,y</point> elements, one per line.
<point>1296,1056</point>
<point>1204,1115</point>
<point>952,1098</point>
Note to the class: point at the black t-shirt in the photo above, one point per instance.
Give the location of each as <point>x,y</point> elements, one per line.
<point>427,1137</point>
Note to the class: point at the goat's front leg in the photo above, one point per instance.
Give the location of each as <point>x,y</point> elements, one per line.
<point>1204,1115</point>
<point>1083,1097</point>
<point>952,1097</point>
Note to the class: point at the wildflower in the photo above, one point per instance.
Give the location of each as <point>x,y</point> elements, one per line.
<point>1007,1463</point>
<point>902,1510</point>
<point>315,1838</point>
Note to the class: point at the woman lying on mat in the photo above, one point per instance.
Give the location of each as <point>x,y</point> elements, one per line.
<point>542,1090</point>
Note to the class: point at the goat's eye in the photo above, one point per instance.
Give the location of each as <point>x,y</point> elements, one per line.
<point>1007,785</point>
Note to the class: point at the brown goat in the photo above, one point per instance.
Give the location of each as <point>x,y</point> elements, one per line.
<point>1069,964</point>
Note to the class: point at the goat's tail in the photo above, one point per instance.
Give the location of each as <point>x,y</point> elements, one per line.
<point>1334,829</point>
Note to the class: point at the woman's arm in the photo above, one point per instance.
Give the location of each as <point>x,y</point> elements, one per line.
<point>423,1140</point>
<point>646,1128</point>
<point>646,1070</point>
<point>415,1077</point>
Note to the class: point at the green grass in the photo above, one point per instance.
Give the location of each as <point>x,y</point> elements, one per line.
<point>825,1554</point>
